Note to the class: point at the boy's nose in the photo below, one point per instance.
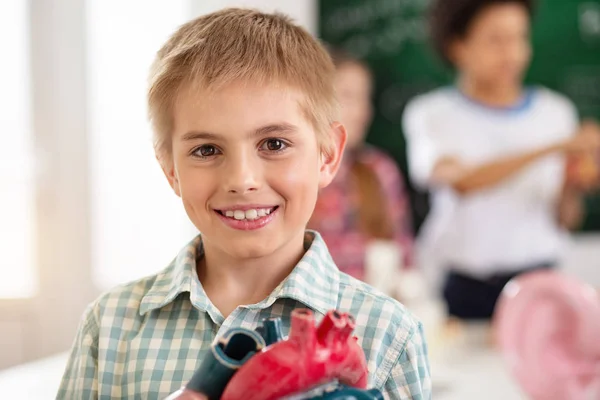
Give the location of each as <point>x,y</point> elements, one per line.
<point>241,176</point>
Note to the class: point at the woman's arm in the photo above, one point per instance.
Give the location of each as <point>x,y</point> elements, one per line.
<point>582,175</point>
<point>467,179</point>
<point>570,210</point>
<point>433,162</point>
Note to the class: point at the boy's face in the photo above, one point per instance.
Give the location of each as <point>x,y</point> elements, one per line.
<point>496,49</point>
<point>353,86</point>
<point>247,166</point>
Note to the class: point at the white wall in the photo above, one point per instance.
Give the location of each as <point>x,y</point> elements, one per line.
<point>138,224</point>
<point>45,322</point>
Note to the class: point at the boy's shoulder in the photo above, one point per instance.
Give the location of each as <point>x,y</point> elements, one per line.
<point>353,296</point>
<point>358,295</point>
<point>376,314</point>
<point>133,297</point>
<point>385,328</point>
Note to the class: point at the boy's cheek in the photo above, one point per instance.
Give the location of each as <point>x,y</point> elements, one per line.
<point>194,189</point>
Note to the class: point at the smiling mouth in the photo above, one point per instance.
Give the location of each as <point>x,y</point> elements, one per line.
<point>247,215</point>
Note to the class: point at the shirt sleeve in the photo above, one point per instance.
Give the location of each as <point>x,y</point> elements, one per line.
<point>80,379</point>
<point>554,176</point>
<point>410,377</point>
<point>422,150</point>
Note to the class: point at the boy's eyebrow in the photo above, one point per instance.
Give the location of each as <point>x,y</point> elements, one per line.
<point>262,131</point>
<point>195,135</point>
<point>276,128</point>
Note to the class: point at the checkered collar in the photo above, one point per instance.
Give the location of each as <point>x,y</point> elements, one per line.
<point>314,281</point>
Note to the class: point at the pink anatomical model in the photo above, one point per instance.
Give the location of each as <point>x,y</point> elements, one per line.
<point>548,328</point>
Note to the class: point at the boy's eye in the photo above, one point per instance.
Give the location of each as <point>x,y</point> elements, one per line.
<point>206,150</point>
<point>274,145</point>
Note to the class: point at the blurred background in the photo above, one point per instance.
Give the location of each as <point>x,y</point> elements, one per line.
<point>84,205</point>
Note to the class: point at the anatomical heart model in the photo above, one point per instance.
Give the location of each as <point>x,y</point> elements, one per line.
<point>314,362</point>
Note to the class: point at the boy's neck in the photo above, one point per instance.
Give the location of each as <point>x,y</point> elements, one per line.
<point>493,95</point>
<point>231,282</point>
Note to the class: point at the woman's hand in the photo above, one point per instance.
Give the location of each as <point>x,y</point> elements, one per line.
<point>586,140</point>
<point>583,158</point>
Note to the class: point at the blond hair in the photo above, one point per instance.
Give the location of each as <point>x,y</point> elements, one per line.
<point>242,45</point>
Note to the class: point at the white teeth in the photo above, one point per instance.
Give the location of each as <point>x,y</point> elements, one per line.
<point>251,214</point>
<point>239,214</point>
<point>248,214</point>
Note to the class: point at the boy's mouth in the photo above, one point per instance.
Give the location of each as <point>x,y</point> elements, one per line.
<point>247,215</point>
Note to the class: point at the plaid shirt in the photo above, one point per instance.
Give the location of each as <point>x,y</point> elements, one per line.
<point>145,339</point>
<point>334,215</point>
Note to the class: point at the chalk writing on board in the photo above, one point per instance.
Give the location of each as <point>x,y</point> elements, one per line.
<point>582,85</point>
<point>589,21</point>
<point>394,98</point>
<point>378,27</point>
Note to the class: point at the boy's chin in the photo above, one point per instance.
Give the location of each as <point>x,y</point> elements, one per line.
<point>246,251</point>
<point>249,249</point>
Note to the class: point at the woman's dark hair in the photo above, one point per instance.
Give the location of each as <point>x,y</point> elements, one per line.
<point>451,19</point>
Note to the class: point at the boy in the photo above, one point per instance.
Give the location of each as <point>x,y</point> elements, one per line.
<point>492,152</point>
<point>243,109</point>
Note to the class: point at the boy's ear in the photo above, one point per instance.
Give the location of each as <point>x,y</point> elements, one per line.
<point>331,159</point>
<point>168,167</point>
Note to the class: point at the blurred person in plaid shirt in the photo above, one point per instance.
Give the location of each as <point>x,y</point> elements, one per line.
<point>367,200</point>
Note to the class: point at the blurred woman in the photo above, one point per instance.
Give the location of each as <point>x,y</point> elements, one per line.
<point>492,152</point>
<point>366,204</point>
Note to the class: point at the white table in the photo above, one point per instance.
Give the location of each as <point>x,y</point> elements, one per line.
<point>474,375</point>
<point>464,366</point>
<point>460,371</point>
<point>38,380</point>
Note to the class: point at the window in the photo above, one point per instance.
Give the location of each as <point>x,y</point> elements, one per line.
<point>138,224</point>
<point>17,196</point>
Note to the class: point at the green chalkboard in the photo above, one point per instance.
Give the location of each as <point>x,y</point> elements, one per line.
<point>392,37</point>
